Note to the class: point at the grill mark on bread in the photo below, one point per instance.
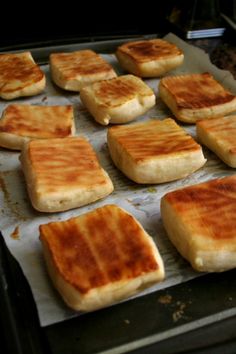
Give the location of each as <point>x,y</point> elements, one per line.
<point>85,62</point>
<point>56,165</point>
<point>138,257</point>
<point>131,254</point>
<point>117,100</point>
<point>209,207</point>
<point>143,51</point>
<point>18,68</point>
<point>223,128</point>
<point>32,131</point>
<point>95,249</point>
<point>26,120</point>
<point>73,255</point>
<point>196,90</point>
<point>107,249</point>
<point>115,91</point>
<point>144,140</point>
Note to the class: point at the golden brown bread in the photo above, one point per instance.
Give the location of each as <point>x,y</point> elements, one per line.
<point>118,100</point>
<point>20,76</point>
<point>62,174</point>
<point>154,151</point>
<point>149,58</point>
<point>196,96</point>
<point>200,220</point>
<point>72,71</point>
<point>219,135</point>
<point>100,257</point>
<point>20,123</point>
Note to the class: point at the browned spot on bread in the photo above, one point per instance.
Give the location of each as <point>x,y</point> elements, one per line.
<point>209,207</point>
<point>143,51</point>
<point>196,90</point>
<point>98,248</point>
<point>155,138</point>
<point>19,69</point>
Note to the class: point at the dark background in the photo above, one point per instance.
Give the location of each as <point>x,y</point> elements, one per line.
<point>39,21</point>
<point>23,23</point>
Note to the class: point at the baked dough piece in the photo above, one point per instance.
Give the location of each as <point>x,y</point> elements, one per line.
<point>100,257</point>
<point>150,58</point>
<point>118,100</point>
<point>20,76</point>
<point>72,71</point>
<point>200,220</point>
<point>20,123</point>
<point>196,96</point>
<point>155,151</point>
<point>219,135</point>
<point>62,174</point>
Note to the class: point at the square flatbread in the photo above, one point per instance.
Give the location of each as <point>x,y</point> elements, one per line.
<point>72,71</point>
<point>62,174</point>
<point>20,123</point>
<point>219,135</point>
<point>200,220</point>
<point>100,257</point>
<point>20,76</point>
<point>118,100</point>
<point>149,58</point>
<point>195,97</point>
<point>155,151</point>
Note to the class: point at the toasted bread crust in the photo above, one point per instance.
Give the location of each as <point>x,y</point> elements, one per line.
<point>118,100</point>
<point>99,228</point>
<point>196,90</point>
<point>219,135</point>
<point>62,174</point>
<point>20,76</point>
<point>154,151</point>
<point>200,221</point>
<point>101,253</point>
<point>143,51</point>
<point>24,122</point>
<point>149,58</point>
<point>196,96</point>
<point>115,92</point>
<point>72,71</point>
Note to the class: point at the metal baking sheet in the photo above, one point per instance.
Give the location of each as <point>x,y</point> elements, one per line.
<point>19,222</point>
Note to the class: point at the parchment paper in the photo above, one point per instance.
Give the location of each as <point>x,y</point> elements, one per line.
<point>19,221</point>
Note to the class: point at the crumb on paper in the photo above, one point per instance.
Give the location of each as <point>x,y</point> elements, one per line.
<point>165,299</point>
<point>16,233</point>
<point>133,203</point>
<point>14,206</point>
<point>179,313</point>
<point>152,190</point>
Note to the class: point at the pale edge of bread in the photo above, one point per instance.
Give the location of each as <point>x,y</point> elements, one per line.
<point>78,82</point>
<point>159,170</point>
<point>16,142</point>
<point>123,113</point>
<point>104,295</point>
<point>152,68</point>
<point>59,201</point>
<point>192,115</point>
<point>30,90</point>
<point>223,152</point>
<point>12,141</point>
<point>203,255</point>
